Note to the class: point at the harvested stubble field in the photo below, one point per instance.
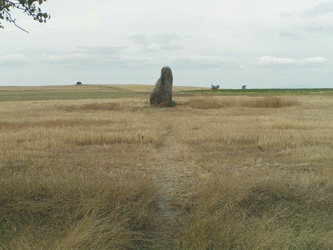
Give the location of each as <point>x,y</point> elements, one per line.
<point>213,172</point>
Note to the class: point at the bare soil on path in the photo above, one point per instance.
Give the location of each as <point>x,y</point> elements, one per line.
<point>169,173</point>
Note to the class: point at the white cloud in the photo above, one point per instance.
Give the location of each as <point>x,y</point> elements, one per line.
<point>275,61</point>
<point>314,61</point>
<point>13,60</point>
<point>271,61</point>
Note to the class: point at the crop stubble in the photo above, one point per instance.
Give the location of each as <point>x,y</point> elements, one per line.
<point>212,172</point>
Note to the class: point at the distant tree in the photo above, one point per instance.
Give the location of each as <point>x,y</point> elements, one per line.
<point>213,87</point>
<point>30,7</point>
<point>243,86</point>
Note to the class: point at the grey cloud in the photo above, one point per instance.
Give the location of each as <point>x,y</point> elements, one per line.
<point>158,39</point>
<point>84,57</point>
<point>290,35</point>
<point>94,59</point>
<point>145,42</point>
<point>165,38</point>
<point>319,9</point>
<point>314,29</point>
<point>199,62</point>
<point>287,14</point>
<point>100,50</point>
<point>322,8</point>
<point>74,60</point>
<point>141,39</point>
<point>171,47</point>
<point>306,33</point>
<point>319,30</point>
<point>157,42</point>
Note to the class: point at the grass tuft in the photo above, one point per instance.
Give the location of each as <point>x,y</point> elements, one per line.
<point>236,211</point>
<point>167,104</point>
<point>109,106</point>
<point>271,102</point>
<point>209,102</point>
<point>80,211</point>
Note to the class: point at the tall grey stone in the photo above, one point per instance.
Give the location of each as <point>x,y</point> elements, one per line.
<point>163,87</point>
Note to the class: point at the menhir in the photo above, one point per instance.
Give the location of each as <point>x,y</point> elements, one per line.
<point>163,88</point>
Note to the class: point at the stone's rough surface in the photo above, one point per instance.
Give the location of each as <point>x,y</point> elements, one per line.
<point>163,87</point>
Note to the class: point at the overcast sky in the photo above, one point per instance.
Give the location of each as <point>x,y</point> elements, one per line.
<point>258,43</point>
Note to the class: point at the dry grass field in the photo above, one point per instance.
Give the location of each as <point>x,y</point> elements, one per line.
<point>213,172</point>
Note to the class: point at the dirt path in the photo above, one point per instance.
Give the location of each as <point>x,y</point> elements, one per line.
<point>170,173</point>
<point>166,174</point>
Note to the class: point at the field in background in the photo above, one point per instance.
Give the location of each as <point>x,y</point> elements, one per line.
<point>96,167</point>
<point>79,92</point>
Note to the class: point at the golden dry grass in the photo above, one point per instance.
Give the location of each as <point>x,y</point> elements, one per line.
<point>211,173</point>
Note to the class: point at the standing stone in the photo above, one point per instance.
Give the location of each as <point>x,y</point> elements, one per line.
<point>163,87</point>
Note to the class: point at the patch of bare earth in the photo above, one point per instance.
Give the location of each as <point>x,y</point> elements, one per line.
<point>170,174</point>
<point>165,174</point>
